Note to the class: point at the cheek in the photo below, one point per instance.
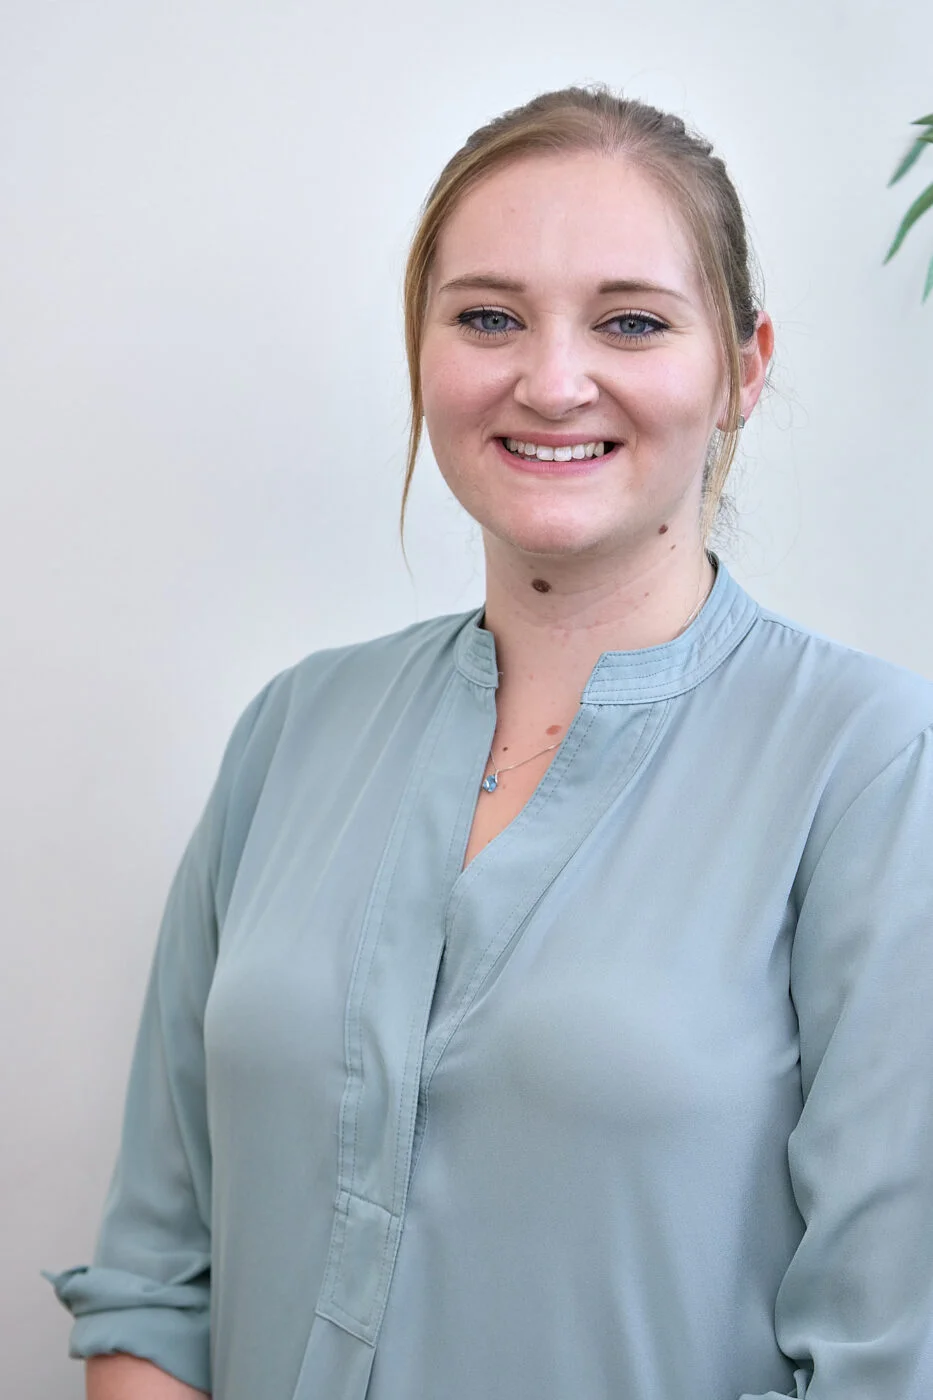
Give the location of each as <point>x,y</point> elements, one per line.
<point>458,389</point>
<point>688,401</point>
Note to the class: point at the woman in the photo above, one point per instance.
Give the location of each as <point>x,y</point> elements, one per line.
<point>542,1005</point>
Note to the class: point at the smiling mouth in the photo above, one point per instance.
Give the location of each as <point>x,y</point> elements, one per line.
<point>577,452</point>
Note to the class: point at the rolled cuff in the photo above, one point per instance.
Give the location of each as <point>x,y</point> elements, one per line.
<point>114,1311</point>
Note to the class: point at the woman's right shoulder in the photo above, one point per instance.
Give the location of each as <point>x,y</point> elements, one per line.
<point>354,676</point>
<point>378,659</point>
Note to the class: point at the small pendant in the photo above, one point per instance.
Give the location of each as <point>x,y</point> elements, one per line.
<point>491,783</point>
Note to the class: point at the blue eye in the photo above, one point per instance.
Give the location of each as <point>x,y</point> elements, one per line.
<point>491,323</point>
<point>486,322</point>
<point>635,325</point>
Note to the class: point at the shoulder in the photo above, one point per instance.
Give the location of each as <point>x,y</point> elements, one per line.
<point>362,667</point>
<point>356,677</point>
<point>825,686</point>
<point>821,717</point>
<point>321,703</point>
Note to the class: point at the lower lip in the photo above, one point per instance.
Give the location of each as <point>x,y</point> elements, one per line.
<point>577,466</point>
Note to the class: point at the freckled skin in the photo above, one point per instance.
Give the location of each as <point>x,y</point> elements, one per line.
<point>540,585</point>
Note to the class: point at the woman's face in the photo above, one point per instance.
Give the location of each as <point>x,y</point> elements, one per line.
<point>565,310</point>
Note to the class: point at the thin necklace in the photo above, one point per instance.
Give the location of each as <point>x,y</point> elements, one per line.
<point>491,780</point>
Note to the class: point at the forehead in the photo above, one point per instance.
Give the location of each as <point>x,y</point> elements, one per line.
<point>577,217</point>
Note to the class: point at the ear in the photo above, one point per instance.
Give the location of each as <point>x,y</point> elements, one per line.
<point>754,358</point>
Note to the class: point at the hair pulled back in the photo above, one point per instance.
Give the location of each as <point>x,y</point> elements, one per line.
<point>682,163</point>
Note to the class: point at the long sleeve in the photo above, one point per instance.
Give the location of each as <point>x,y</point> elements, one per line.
<point>693,975</point>
<point>855,1308</point>
<point>148,1290</point>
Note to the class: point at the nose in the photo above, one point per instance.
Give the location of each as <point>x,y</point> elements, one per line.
<point>553,379</point>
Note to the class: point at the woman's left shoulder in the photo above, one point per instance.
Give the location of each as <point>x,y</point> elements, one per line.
<point>823,716</point>
<point>831,683</point>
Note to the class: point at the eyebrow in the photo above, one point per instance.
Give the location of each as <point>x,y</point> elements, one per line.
<point>493,282</point>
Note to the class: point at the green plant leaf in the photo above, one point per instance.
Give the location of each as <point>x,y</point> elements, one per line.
<point>926,137</point>
<point>923,121</point>
<point>921,204</point>
<point>912,154</point>
<point>928,288</point>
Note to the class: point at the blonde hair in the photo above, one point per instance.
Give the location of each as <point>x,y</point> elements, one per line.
<point>595,119</point>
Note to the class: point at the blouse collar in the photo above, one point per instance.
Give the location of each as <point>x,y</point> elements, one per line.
<point>649,673</point>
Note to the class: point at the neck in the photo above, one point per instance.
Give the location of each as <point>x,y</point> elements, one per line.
<point>551,639</point>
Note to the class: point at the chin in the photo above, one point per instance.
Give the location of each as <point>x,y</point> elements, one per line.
<point>554,539</point>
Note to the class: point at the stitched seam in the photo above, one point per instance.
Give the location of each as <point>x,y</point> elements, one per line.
<point>348,1121</point>
<point>921,733</point>
<point>333,1312</point>
<point>661,689</point>
<point>394,846</point>
<point>381,887</point>
<point>418,1018</point>
<point>537,802</point>
<point>416,1156</point>
<point>712,640</point>
<point>469,798</point>
<point>481,975</point>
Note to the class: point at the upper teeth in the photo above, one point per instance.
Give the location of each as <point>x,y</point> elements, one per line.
<point>556,454</point>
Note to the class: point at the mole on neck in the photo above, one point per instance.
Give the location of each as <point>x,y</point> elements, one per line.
<point>540,585</point>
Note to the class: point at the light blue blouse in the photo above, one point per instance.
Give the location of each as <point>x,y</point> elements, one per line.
<point>639,1106</point>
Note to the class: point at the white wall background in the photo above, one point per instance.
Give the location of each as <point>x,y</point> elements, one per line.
<point>204,206</point>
